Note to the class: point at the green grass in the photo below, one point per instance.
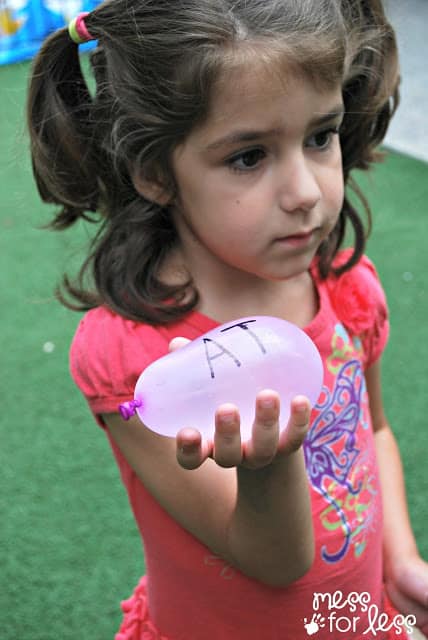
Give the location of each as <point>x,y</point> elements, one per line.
<point>69,547</point>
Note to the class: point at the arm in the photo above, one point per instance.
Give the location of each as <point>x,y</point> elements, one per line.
<point>259,516</point>
<point>405,573</point>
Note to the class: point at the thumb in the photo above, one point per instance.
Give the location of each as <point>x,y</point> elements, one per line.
<point>412,579</point>
<point>177,343</point>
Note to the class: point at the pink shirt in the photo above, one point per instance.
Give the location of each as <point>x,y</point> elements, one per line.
<point>188,592</point>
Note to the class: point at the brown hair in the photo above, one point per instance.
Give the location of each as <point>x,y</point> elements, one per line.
<point>154,68</point>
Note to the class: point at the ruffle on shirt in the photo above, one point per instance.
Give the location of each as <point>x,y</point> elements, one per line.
<point>357,295</point>
<point>136,623</point>
<point>359,301</point>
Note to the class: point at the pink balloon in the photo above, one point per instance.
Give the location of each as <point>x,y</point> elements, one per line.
<point>230,363</point>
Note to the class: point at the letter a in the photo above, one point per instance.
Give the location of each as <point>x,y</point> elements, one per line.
<point>223,351</point>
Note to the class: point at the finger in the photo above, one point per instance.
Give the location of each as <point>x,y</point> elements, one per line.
<point>407,605</point>
<point>412,580</point>
<point>262,447</point>
<point>298,424</point>
<point>177,343</point>
<point>227,438</point>
<point>191,451</point>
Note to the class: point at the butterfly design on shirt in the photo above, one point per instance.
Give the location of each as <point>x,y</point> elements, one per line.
<point>330,446</point>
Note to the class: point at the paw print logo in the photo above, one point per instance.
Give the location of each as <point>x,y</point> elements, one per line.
<point>317,623</point>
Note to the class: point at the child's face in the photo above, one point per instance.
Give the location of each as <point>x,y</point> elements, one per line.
<point>260,182</point>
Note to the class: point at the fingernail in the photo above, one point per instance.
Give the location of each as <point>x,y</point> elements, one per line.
<point>267,403</point>
<point>187,448</point>
<point>228,418</point>
<point>301,408</point>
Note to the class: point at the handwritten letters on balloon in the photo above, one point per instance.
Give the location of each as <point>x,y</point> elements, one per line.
<point>223,351</point>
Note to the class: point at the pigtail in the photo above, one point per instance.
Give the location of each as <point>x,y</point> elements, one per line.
<point>371,88</point>
<point>60,127</point>
<point>371,96</point>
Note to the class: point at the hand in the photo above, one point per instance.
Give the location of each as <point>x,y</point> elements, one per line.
<point>265,444</point>
<point>407,588</point>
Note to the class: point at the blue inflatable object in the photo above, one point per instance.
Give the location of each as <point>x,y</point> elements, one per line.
<point>24,24</point>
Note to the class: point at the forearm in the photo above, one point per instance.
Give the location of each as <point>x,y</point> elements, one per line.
<point>270,534</point>
<point>398,538</point>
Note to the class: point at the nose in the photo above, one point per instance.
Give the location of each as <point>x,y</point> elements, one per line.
<point>299,189</point>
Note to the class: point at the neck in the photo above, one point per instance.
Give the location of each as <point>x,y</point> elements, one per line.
<point>294,300</point>
<point>227,294</point>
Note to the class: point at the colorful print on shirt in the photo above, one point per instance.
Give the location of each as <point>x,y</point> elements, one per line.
<point>339,453</point>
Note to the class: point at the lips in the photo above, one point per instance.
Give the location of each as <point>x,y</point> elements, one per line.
<point>300,239</point>
<point>298,236</point>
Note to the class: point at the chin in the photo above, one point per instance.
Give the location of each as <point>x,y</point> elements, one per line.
<point>296,268</point>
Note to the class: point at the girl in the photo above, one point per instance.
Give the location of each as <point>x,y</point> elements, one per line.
<point>215,151</point>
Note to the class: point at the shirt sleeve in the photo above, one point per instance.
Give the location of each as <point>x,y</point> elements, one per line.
<point>360,303</point>
<point>376,338</point>
<point>107,356</point>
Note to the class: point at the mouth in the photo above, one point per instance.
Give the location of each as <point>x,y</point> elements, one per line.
<point>300,239</point>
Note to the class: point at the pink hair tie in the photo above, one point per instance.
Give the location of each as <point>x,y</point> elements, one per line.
<point>78,30</point>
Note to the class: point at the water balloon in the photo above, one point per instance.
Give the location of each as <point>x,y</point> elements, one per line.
<point>230,363</point>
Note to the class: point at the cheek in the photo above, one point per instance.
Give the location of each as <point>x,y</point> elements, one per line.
<point>334,189</point>
<point>333,201</point>
<point>336,197</point>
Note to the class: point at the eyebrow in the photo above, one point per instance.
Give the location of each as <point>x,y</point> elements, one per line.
<point>252,135</point>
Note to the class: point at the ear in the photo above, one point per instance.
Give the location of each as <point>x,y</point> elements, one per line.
<point>152,190</point>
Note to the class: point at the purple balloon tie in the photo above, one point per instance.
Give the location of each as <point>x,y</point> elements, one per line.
<point>128,409</point>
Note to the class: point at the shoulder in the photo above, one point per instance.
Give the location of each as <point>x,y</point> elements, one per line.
<point>357,295</point>
<point>103,326</point>
<point>359,301</point>
<point>107,355</point>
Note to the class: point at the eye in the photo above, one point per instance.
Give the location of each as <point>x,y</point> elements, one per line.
<point>322,139</point>
<point>246,160</point>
